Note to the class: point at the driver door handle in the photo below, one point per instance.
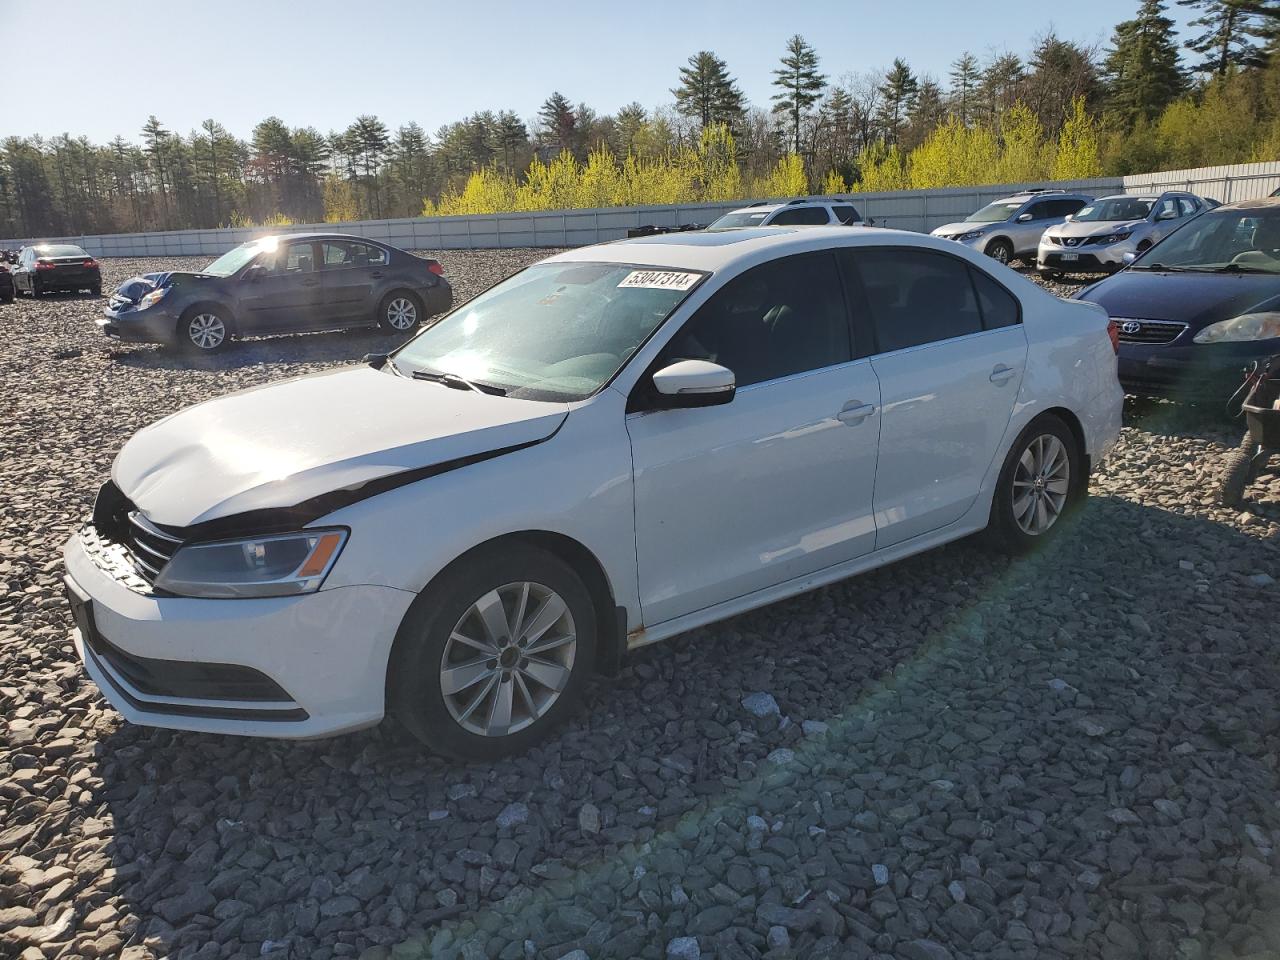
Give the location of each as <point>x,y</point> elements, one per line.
<point>1002,374</point>
<point>855,411</point>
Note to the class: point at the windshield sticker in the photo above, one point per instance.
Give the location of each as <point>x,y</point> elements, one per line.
<point>659,280</point>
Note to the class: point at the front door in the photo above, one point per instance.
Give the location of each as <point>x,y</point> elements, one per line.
<point>286,294</point>
<point>777,483</point>
<point>950,357</point>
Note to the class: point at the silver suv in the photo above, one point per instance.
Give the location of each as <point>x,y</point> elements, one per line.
<point>1010,229</point>
<point>1111,231</point>
<point>802,212</point>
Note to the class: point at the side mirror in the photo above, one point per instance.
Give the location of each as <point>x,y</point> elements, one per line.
<point>254,273</point>
<point>1068,218</point>
<point>1129,256</point>
<point>1167,215</point>
<point>1024,218</point>
<point>694,383</point>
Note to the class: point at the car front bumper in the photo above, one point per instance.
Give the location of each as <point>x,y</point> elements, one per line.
<point>978,243</point>
<point>1093,258</point>
<point>147,325</point>
<point>289,667</point>
<point>1191,371</point>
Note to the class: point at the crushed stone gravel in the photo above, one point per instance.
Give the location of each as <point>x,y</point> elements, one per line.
<point>1071,755</point>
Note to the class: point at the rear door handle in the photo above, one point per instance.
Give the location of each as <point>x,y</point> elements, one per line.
<point>1001,374</point>
<point>855,411</point>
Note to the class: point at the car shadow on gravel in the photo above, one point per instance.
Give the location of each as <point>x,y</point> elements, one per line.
<point>959,748</point>
<point>327,347</point>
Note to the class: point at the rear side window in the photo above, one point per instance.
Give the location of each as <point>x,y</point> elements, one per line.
<point>349,253</point>
<point>846,215</point>
<point>916,296</point>
<point>778,319</point>
<point>999,307</point>
<point>806,216</point>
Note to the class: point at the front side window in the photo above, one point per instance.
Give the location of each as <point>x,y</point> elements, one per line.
<point>351,253</point>
<point>1167,209</point>
<point>1061,208</point>
<point>917,297</point>
<point>1116,209</point>
<point>775,320</point>
<point>1042,210</point>
<point>294,258</point>
<point>556,331</point>
<point>801,216</point>
<point>1187,206</point>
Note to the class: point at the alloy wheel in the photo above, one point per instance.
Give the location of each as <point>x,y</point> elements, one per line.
<point>401,313</point>
<point>508,659</point>
<point>207,331</point>
<point>1041,484</point>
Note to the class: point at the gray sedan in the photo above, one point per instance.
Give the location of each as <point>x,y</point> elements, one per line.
<point>291,283</point>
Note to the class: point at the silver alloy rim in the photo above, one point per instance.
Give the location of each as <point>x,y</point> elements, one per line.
<point>401,313</point>
<point>206,330</point>
<point>999,253</point>
<point>1041,482</point>
<point>508,659</point>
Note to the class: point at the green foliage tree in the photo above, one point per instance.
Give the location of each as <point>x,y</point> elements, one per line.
<point>559,122</point>
<point>799,84</point>
<point>707,93</point>
<point>1230,31</point>
<point>1141,71</point>
<point>898,95</point>
<point>965,78</point>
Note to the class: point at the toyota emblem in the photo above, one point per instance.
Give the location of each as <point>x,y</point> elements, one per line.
<point>1130,326</point>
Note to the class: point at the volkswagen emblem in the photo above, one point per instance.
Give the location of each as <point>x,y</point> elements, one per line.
<point>1130,326</point>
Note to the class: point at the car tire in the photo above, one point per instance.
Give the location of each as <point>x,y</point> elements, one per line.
<point>8,297</point>
<point>460,701</point>
<point>1000,250</point>
<point>399,312</point>
<point>96,290</point>
<point>1042,481</point>
<point>1054,275</point>
<point>1239,472</point>
<point>203,330</point>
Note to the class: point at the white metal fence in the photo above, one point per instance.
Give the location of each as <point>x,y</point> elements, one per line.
<point>907,209</point>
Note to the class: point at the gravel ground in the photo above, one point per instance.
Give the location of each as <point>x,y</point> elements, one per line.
<point>1073,755</point>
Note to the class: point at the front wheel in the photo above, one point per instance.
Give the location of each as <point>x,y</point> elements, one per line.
<point>1239,472</point>
<point>1042,479</point>
<point>494,654</point>
<point>399,312</point>
<point>203,329</point>
<point>1054,275</point>
<point>1000,250</point>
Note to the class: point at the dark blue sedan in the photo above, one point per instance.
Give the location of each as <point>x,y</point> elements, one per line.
<point>1199,306</point>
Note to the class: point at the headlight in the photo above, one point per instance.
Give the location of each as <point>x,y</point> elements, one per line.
<point>1250,326</point>
<point>154,297</point>
<point>273,566</point>
<point>1114,237</point>
<point>971,235</point>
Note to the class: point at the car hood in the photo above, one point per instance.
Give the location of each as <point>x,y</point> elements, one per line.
<point>285,443</point>
<point>960,227</point>
<point>1095,228</point>
<point>135,288</point>
<point>1197,299</point>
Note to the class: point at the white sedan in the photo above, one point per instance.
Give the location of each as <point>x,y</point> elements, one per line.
<point>616,445</point>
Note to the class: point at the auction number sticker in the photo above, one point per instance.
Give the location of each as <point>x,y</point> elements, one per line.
<point>659,280</point>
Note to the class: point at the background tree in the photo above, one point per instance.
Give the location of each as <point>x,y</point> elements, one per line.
<point>965,78</point>
<point>1141,72</point>
<point>559,122</point>
<point>1230,31</point>
<point>707,92</point>
<point>799,84</point>
<point>897,97</point>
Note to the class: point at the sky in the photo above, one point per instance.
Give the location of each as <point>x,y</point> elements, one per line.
<point>323,62</point>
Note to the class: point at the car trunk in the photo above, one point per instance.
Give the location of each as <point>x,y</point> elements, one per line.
<point>65,271</point>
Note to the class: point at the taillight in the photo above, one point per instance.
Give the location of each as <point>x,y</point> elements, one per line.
<point>435,267</point>
<point>45,265</point>
<point>91,264</point>
<point>1113,331</point>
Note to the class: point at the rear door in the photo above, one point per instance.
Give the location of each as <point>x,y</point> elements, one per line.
<point>350,272</point>
<point>286,295</point>
<point>950,353</point>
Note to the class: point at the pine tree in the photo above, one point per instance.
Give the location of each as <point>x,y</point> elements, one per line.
<point>707,93</point>
<point>1232,31</point>
<point>898,93</point>
<point>799,84</point>
<point>559,122</point>
<point>629,121</point>
<point>1003,80</point>
<point>1141,71</point>
<point>965,77</point>
<point>927,111</point>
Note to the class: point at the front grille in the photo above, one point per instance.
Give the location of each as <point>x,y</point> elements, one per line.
<point>146,546</point>
<point>1148,331</point>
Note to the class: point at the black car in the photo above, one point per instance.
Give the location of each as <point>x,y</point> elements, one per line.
<point>52,267</point>
<point>1200,305</point>
<point>289,283</point>
<point>6,284</point>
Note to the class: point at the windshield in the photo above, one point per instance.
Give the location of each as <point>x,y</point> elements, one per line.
<point>1247,241</point>
<point>233,260</point>
<point>556,331</point>
<point>1116,208</point>
<point>743,218</point>
<point>994,212</point>
<point>61,250</point>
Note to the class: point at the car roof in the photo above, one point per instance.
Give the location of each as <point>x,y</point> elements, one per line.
<point>1258,203</point>
<point>698,250</point>
<point>798,202</point>
<point>316,236</point>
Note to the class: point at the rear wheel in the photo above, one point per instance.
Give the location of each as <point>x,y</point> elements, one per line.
<point>1239,472</point>
<point>203,329</point>
<point>494,654</point>
<point>399,312</point>
<point>1042,480</point>
<point>1000,250</point>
